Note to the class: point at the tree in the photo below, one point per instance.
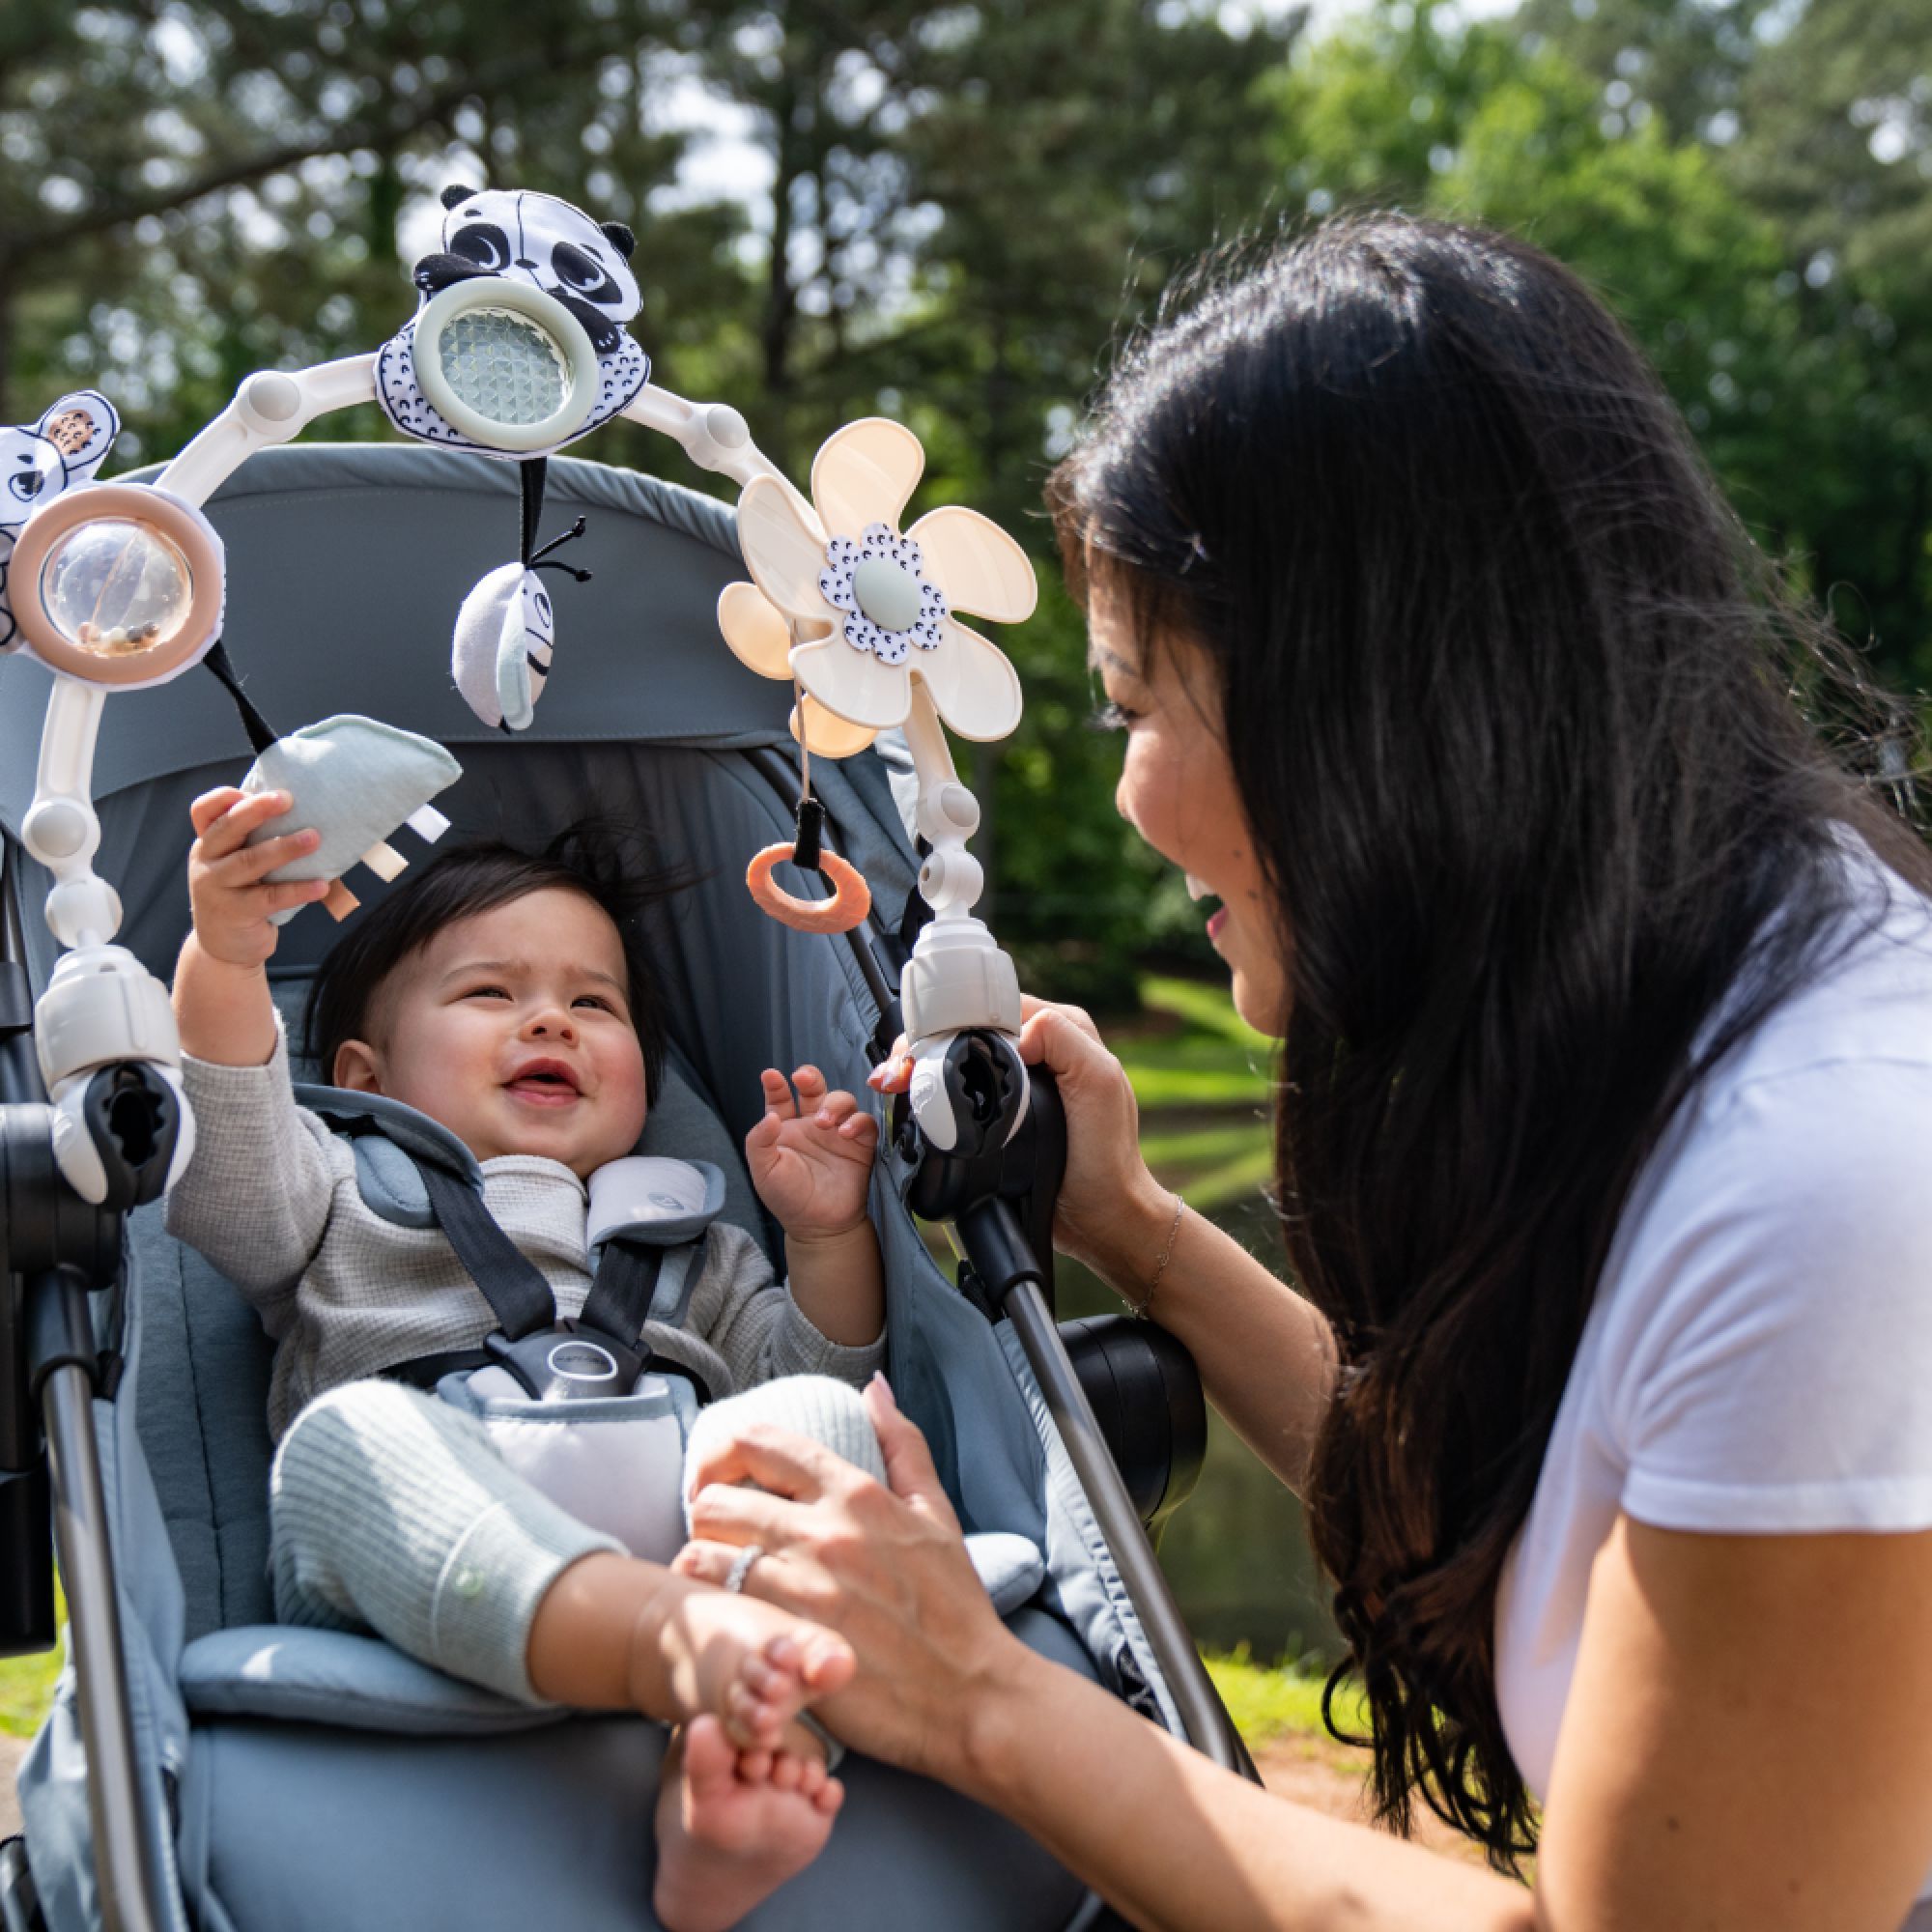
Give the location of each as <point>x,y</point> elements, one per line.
<point>1816,116</point>
<point>198,192</point>
<point>1808,406</point>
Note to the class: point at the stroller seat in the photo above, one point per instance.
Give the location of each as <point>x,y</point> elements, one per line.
<point>307,1778</point>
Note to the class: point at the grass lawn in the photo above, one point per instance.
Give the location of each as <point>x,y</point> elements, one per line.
<point>1201,1075</point>
<point>1271,1703</point>
<point>27,1684</point>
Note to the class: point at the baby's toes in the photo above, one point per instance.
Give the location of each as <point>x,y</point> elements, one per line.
<point>754,1767</point>
<point>709,1757</point>
<point>787,1773</point>
<point>812,1776</point>
<point>826,1662</point>
<point>756,1722</point>
<point>828,1798</point>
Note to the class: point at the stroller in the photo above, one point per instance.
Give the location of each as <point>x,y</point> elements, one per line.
<point>205,1767</point>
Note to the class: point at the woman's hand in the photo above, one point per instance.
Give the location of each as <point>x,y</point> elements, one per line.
<point>887,1569</point>
<point>1112,1215</point>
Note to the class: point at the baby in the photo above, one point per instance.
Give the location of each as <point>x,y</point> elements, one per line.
<point>497,994</point>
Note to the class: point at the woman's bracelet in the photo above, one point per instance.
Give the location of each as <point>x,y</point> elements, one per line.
<point>1139,1308</point>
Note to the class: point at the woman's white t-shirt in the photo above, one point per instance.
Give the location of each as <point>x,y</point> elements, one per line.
<point>1758,1358</point>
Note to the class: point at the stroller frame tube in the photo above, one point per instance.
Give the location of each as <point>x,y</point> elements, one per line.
<point>1209,1727</point>
<point>79,1514</point>
<point>94,1623</point>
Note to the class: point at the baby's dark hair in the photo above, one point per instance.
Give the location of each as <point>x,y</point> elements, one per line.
<point>475,878</point>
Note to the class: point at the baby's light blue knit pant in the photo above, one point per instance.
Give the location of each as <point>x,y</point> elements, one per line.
<point>392,1512</point>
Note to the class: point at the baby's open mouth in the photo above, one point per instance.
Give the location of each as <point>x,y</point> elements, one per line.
<point>544,1083</point>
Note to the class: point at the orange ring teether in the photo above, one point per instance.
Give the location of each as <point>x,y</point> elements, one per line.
<point>850,902</point>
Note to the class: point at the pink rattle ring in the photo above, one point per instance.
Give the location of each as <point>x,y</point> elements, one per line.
<point>850,902</point>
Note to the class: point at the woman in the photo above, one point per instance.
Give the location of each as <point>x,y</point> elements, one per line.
<point>1604,1099</point>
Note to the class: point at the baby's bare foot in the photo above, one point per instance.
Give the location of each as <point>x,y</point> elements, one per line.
<point>751,1665</point>
<point>734,1826</point>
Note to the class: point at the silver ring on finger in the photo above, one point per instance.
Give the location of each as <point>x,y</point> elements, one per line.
<point>741,1567</point>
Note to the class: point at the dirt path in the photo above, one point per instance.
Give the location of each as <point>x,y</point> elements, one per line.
<point>11,1749</point>
<point>1328,1778</point>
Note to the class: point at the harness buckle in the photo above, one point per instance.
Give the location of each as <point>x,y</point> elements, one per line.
<point>571,1362</point>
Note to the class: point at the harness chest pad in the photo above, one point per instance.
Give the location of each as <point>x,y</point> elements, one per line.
<point>648,1198</point>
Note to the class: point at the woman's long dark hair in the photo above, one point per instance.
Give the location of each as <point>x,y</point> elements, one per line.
<point>1512,702</point>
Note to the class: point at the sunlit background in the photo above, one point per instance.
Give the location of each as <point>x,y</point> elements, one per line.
<point>950,213</point>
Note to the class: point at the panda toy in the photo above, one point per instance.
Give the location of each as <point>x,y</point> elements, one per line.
<point>40,460</point>
<point>518,235</point>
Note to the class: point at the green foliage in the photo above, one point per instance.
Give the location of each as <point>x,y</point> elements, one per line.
<point>1752,206</point>
<point>27,1682</point>
<point>1284,1699</point>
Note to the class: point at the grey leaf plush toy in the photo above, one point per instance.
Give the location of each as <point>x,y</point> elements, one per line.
<point>354,782</point>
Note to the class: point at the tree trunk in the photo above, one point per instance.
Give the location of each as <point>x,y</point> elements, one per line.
<point>6,341</point>
<point>385,208</point>
<point>780,307</point>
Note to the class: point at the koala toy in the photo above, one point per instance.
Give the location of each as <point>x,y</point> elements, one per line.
<point>514,234</point>
<point>39,461</point>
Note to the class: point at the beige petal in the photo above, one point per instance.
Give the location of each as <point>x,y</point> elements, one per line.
<point>977,565</point>
<point>865,473</point>
<point>829,737</point>
<point>853,685</point>
<point>783,553</point>
<point>976,691</point>
<point>755,629</point>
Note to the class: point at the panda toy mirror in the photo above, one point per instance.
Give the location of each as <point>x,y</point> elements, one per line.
<point>520,345</point>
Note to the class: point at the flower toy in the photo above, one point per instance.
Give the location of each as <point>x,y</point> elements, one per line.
<point>855,609</point>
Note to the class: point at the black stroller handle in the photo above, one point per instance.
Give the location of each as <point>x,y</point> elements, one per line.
<point>998,1189</point>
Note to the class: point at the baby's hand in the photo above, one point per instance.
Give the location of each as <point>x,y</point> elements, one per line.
<point>226,876</point>
<point>812,1159</point>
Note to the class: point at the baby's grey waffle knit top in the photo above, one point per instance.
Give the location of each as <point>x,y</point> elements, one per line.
<point>271,1199</point>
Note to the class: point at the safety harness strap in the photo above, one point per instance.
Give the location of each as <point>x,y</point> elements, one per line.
<point>530,1341</point>
<point>426,1370</point>
<point>619,1301</point>
<point>510,1282</point>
